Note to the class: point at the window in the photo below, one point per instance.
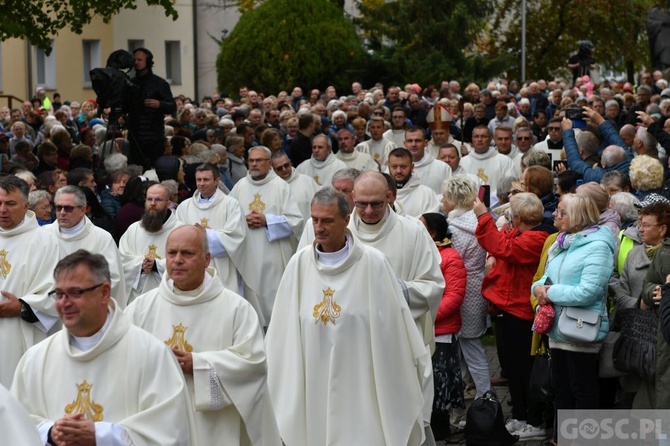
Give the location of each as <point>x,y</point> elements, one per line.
<point>0,67</point>
<point>45,68</point>
<point>91,59</point>
<point>135,44</point>
<point>173,62</point>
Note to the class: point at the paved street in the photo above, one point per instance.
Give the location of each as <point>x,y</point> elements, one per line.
<point>503,395</point>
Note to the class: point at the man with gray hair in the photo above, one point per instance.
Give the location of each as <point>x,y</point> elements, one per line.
<point>326,329</point>
<point>578,150</point>
<point>75,231</point>
<point>302,187</point>
<point>323,164</point>
<point>354,159</point>
<point>274,224</point>
<point>27,314</point>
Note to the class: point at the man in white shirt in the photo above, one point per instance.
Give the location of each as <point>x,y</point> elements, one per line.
<point>396,134</point>
<point>429,171</point>
<point>377,146</point>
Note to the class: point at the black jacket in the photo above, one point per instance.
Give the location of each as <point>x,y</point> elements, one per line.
<point>146,124</point>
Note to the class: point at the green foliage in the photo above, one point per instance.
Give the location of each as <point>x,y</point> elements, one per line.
<point>284,43</point>
<point>427,41</point>
<point>553,28</point>
<point>39,21</point>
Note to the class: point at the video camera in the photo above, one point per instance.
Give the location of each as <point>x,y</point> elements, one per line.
<point>113,86</point>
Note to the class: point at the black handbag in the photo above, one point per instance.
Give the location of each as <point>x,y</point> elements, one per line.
<point>635,351</point>
<point>540,378</point>
<point>485,423</point>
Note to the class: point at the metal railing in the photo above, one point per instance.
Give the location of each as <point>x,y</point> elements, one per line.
<point>10,101</point>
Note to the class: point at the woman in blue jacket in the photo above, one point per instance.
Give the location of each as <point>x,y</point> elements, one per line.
<point>578,269</point>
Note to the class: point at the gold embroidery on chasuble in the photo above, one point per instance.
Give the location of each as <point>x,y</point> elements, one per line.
<point>257,205</point>
<point>316,178</point>
<point>327,310</point>
<point>84,404</point>
<point>376,156</point>
<point>204,223</point>
<point>5,266</point>
<point>152,252</point>
<point>178,339</point>
<point>482,175</point>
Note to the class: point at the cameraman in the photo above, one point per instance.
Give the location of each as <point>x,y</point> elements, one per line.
<point>145,120</point>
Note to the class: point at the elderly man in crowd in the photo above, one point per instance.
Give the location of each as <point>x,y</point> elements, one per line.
<point>354,159</point>
<point>323,164</point>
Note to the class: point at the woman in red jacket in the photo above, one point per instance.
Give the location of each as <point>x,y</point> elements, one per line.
<point>517,254</point>
<point>446,366</point>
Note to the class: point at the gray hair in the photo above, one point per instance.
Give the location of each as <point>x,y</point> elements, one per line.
<point>328,142</point>
<point>648,141</point>
<point>219,149</point>
<point>536,157</point>
<point>26,176</point>
<point>171,186</point>
<point>36,196</point>
<point>624,204</point>
<point>80,197</point>
<point>265,150</point>
<point>613,155</point>
<point>504,188</point>
<point>96,263</point>
<point>588,142</point>
<point>115,161</point>
<point>612,103</point>
<point>346,174</point>
<point>328,195</point>
<point>206,155</point>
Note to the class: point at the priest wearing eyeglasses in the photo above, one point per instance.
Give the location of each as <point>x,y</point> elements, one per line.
<point>101,380</point>
<point>27,257</point>
<point>74,231</point>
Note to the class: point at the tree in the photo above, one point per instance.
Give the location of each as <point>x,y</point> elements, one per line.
<point>553,28</point>
<point>284,43</point>
<point>39,21</point>
<point>427,41</point>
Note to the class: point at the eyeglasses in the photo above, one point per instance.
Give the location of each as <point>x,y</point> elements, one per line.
<point>559,213</point>
<point>283,166</point>
<point>258,160</point>
<point>554,129</point>
<point>73,292</point>
<point>647,225</point>
<point>523,138</point>
<point>372,204</point>
<point>67,209</point>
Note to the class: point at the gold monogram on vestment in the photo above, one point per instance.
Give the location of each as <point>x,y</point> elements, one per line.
<point>316,178</point>
<point>204,223</point>
<point>178,339</point>
<point>5,266</point>
<point>152,252</point>
<point>257,205</point>
<point>84,404</point>
<point>327,310</point>
<point>482,175</point>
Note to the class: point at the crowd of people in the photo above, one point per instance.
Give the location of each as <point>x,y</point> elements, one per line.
<point>301,252</point>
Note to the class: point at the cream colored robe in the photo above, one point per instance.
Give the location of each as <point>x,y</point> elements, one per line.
<point>15,425</point>
<point>432,172</point>
<point>417,199</point>
<point>378,150</point>
<point>358,160</point>
<point>303,189</point>
<point>322,172</point>
<point>96,241</point>
<point>490,167</point>
<point>343,354</point>
<point>136,244</point>
<point>129,378</point>
<point>28,257</point>
<point>269,249</point>
<point>228,386</point>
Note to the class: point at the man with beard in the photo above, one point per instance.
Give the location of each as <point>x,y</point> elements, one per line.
<point>323,164</point>
<point>142,246</point>
<point>302,187</point>
<point>273,219</point>
<point>75,231</point>
<point>415,198</point>
<point>353,158</point>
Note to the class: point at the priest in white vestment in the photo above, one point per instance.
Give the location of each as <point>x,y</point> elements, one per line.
<point>344,357</point>
<point>274,225</point>
<point>354,159</point>
<point>377,146</point>
<point>216,335</point>
<point>396,134</point>
<point>323,164</point>
<point>101,380</point>
<point>429,171</point>
<point>223,220</point>
<point>302,187</point>
<point>450,154</point>
<point>142,246</point>
<point>485,162</point>
<point>15,424</point>
<point>75,231</point>
<point>416,198</point>
<point>28,256</point>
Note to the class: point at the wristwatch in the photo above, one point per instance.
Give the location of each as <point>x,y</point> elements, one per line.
<point>27,313</point>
